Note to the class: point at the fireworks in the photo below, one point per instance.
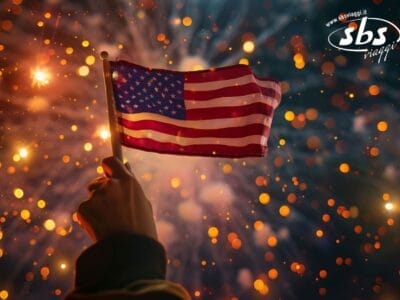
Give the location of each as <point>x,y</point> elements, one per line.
<point>40,77</point>
<point>317,217</point>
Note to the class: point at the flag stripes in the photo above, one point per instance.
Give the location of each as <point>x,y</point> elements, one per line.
<point>228,112</point>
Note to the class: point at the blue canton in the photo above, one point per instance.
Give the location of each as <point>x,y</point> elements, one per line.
<point>139,90</point>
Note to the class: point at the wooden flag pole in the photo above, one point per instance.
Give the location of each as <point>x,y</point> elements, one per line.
<point>112,117</point>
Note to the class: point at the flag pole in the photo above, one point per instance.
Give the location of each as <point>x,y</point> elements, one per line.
<point>112,117</point>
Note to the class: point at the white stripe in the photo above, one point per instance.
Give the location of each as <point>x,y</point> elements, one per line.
<point>201,124</point>
<point>214,85</point>
<point>231,101</point>
<point>185,141</point>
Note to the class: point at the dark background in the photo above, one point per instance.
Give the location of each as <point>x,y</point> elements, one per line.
<point>333,83</point>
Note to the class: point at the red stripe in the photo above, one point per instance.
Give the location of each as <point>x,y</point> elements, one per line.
<point>228,112</point>
<point>222,73</point>
<point>228,72</point>
<point>231,91</point>
<point>217,74</point>
<point>201,150</point>
<point>231,132</point>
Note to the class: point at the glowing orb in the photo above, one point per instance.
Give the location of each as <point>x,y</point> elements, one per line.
<point>190,211</point>
<point>25,214</point>
<point>3,294</point>
<point>193,63</point>
<point>41,203</point>
<point>40,77</point>
<point>49,225</point>
<point>37,103</point>
<point>389,206</point>
<point>166,232</point>
<point>23,152</point>
<point>83,71</point>
<point>187,21</point>
<point>248,46</point>
<point>18,193</point>
<point>217,194</point>
<point>382,126</point>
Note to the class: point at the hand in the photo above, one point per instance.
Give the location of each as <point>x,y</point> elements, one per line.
<point>116,204</point>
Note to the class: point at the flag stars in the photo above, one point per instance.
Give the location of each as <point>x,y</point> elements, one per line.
<point>148,91</point>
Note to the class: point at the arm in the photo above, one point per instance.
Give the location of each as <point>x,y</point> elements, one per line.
<point>126,261</point>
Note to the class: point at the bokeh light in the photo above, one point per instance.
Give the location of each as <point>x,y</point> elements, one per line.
<point>318,216</point>
<point>40,77</point>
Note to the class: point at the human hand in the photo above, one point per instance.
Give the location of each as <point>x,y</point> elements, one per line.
<point>116,204</point>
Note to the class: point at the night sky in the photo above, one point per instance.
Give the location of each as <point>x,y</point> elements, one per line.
<point>318,217</point>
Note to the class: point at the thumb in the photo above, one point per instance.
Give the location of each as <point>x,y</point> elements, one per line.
<point>113,167</point>
<point>128,166</point>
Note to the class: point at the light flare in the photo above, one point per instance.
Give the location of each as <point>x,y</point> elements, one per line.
<point>40,77</point>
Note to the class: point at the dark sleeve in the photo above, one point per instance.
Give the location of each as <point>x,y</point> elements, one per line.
<point>118,261</point>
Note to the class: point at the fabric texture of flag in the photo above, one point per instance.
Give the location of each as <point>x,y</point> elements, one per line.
<point>222,112</point>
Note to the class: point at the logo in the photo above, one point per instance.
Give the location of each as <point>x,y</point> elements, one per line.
<point>374,37</point>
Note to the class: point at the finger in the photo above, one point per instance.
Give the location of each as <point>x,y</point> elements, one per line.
<point>128,166</point>
<point>113,167</point>
<point>83,210</point>
<point>96,183</point>
<point>95,186</point>
<point>86,226</point>
<point>86,218</point>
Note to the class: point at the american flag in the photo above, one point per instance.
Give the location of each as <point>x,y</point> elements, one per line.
<point>223,112</point>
